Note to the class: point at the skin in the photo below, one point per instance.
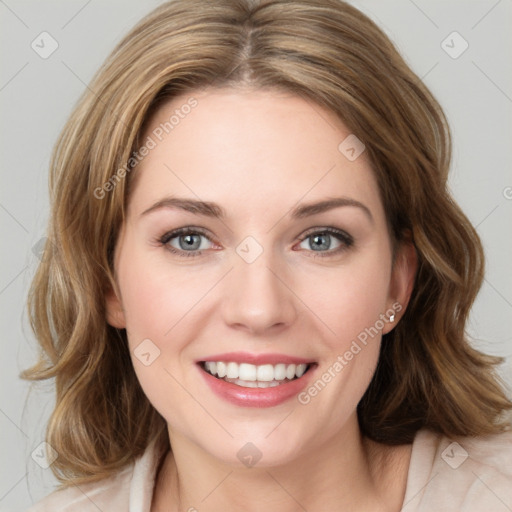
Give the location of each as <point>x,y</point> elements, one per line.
<point>258,154</point>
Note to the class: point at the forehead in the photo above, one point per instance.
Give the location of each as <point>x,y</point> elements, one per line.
<point>250,149</point>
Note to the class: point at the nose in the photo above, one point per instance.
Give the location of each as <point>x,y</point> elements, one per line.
<point>259,298</point>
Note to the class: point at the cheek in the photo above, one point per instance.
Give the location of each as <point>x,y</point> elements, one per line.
<point>154,298</point>
<point>350,303</point>
<point>350,299</point>
<point>154,301</point>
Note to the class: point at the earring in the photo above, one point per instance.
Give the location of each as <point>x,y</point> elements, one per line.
<point>392,318</point>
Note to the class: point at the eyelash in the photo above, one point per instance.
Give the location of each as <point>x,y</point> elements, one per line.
<point>343,237</point>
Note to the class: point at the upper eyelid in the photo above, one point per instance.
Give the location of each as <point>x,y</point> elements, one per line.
<point>326,229</point>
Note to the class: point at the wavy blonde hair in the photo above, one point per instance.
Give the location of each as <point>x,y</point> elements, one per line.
<point>428,375</point>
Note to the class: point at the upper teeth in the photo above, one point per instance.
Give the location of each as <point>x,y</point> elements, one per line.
<point>251,372</point>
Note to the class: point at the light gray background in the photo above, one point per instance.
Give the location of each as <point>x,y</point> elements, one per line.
<point>37,95</point>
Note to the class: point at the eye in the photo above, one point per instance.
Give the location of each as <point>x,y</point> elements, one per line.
<point>189,242</point>
<point>185,242</point>
<point>321,241</point>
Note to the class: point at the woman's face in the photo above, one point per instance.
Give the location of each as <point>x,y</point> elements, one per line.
<point>257,276</point>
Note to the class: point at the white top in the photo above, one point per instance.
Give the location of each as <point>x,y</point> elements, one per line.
<point>462,475</point>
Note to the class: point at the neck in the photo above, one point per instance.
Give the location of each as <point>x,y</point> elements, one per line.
<point>347,472</point>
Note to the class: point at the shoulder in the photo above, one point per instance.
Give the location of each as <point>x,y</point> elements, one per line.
<point>462,473</point>
<point>129,489</point>
<point>108,494</point>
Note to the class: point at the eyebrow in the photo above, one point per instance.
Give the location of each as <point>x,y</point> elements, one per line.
<point>210,209</point>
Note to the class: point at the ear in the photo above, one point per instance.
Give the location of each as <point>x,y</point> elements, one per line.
<point>402,281</point>
<point>114,309</point>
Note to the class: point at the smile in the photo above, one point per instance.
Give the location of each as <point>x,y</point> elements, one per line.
<point>255,376</point>
<point>249,380</point>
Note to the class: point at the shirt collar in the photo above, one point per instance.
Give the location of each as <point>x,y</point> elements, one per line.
<point>143,478</point>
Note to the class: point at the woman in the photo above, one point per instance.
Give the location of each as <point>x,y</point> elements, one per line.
<point>256,282</point>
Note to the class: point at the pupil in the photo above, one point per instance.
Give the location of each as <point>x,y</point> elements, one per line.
<point>189,240</point>
<point>321,245</point>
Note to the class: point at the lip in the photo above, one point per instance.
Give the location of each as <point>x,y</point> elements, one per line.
<point>257,397</point>
<point>256,359</point>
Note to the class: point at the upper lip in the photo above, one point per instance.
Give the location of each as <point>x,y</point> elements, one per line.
<point>256,359</point>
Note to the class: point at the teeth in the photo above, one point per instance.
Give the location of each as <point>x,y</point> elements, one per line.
<point>279,371</point>
<point>247,371</point>
<point>252,384</point>
<point>301,368</point>
<point>232,371</point>
<point>211,367</point>
<point>265,373</point>
<point>221,369</point>
<point>262,375</point>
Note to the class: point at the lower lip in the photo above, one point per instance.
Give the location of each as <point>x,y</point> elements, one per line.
<point>256,397</point>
